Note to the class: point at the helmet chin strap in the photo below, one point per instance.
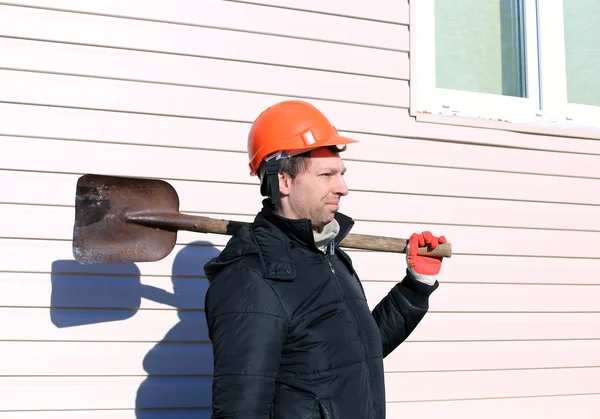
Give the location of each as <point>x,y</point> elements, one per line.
<point>270,181</point>
<point>269,176</point>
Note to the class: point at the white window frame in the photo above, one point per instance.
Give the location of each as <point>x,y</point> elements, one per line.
<point>546,99</point>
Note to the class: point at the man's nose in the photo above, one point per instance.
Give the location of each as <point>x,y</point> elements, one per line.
<point>341,188</point>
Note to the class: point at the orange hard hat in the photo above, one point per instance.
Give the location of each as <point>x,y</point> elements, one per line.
<point>293,127</point>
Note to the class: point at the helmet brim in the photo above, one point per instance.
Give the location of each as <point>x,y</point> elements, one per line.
<point>332,141</point>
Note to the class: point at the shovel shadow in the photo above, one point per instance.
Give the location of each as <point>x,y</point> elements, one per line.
<point>89,294</point>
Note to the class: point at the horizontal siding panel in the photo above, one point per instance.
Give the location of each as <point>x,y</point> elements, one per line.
<point>105,359</point>
<point>417,144</point>
<point>43,256</point>
<point>245,17</point>
<point>171,38</point>
<point>51,188</point>
<point>503,297</point>
<point>84,393</point>
<point>136,292</point>
<point>480,356</point>
<point>498,137</point>
<point>187,359</point>
<point>183,132</point>
<point>57,223</point>
<point>205,165</point>
<point>402,387</point>
<point>56,257</point>
<point>473,183</point>
<point>116,127</point>
<point>557,407</point>
<point>383,266</point>
<point>39,324</point>
<point>34,324</point>
<point>191,102</point>
<point>480,326</point>
<point>184,262</point>
<point>386,10</point>
<point>202,413</point>
<point>191,71</point>
<point>79,291</point>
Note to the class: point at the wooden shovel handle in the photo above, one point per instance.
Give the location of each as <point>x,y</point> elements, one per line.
<point>216,226</point>
<point>392,244</point>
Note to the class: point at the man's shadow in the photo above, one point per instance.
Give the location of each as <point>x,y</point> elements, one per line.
<point>179,367</point>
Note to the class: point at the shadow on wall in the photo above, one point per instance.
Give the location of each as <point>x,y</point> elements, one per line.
<point>179,367</point>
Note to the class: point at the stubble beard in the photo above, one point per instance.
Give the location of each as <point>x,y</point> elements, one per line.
<point>321,217</point>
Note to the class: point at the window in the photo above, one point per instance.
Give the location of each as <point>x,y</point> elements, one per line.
<point>513,60</point>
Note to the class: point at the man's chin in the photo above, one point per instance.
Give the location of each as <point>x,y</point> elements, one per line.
<point>322,222</point>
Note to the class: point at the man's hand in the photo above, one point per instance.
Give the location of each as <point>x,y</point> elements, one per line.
<point>424,268</point>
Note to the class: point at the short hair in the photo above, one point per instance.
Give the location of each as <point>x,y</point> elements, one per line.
<point>295,165</point>
<point>298,164</point>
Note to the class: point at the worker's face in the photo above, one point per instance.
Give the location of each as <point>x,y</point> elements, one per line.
<point>316,192</point>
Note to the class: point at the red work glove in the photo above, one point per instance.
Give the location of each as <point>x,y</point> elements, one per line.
<point>423,268</point>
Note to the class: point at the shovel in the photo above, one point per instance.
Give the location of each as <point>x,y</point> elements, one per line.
<point>123,219</point>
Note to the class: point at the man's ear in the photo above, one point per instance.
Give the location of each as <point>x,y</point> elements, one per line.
<point>285,182</point>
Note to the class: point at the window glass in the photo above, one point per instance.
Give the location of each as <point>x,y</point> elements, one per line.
<point>479,46</point>
<point>582,50</point>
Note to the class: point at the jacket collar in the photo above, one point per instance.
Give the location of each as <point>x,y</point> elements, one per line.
<point>300,230</point>
<point>270,237</point>
<point>274,236</point>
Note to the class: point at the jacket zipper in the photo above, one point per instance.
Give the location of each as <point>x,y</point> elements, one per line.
<point>328,253</point>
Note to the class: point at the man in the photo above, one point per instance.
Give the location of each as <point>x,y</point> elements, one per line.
<point>293,336</point>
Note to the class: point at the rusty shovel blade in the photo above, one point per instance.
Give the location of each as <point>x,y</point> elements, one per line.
<point>103,232</point>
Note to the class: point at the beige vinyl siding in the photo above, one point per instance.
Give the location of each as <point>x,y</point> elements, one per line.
<point>381,10</point>
<point>151,89</point>
<point>168,90</point>
<point>252,46</point>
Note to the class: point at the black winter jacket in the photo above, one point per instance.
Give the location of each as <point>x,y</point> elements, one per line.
<point>293,336</point>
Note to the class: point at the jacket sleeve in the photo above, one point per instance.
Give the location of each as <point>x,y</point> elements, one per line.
<point>247,327</point>
<point>399,312</point>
